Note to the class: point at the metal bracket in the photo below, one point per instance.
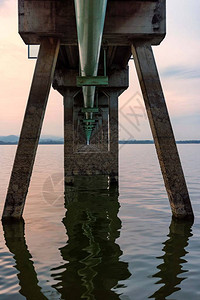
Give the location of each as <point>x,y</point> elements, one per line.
<point>91,80</point>
<point>88,121</point>
<point>89,127</point>
<point>90,110</point>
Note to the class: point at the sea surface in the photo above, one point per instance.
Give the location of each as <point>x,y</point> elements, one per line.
<point>98,241</point>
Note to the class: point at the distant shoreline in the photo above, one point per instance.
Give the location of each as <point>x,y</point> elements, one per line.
<point>135,142</point>
<point>152,142</point>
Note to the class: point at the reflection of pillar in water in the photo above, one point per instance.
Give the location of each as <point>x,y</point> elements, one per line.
<point>92,225</point>
<point>15,241</point>
<point>171,267</point>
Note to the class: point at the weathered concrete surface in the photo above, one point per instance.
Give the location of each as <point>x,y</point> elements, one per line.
<point>101,157</point>
<point>31,128</point>
<point>102,130</point>
<point>66,78</point>
<point>98,158</point>
<point>162,131</point>
<point>125,20</point>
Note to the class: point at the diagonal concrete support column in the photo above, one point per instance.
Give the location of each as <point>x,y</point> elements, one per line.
<point>31,128</point>
<point>162,131</point>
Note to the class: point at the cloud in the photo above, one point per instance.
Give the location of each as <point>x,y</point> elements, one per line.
<point>186,127</point>
<point>5,3</point>
<point>180,72</point>
<point>2,2</point>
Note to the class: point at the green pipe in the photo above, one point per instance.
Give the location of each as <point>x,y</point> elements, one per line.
<point>90,17</point>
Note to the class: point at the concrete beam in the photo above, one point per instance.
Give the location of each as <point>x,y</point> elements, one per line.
<point>125,20</point>
<point>64,78</point>
<point>162,131</point>
<point>31,128</point>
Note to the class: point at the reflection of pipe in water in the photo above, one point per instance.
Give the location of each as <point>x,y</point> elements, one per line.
<point>93,267</point>
<point>171,267</point>
<point>15,241</point>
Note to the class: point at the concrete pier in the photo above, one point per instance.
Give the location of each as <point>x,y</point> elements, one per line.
<point>162,131</point>
<point>31,128</point>
<point>101,156</point>
<point>91,119</point>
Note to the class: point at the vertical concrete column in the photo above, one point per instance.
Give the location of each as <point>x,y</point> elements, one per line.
<point>69,134</point>
<point>97,135</point>
<point>69,121</point>
<point>113,121</point>
<point>104,129</point>
<point>31,128</point>
<point>94,140</point>
<point>100,133</point>
<point>113,148</point>
<point>162,131</point>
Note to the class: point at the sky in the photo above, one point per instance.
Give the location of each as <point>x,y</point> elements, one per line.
<point>178,62</point>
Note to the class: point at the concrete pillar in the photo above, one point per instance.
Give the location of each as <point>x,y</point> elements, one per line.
<point>100,133</point>
<point>162,131</point>
<point>31,128</point>
<point>97,134</point>
<point>69,134</point>
<point>69,121</point>
<point>113,95</point>
<point>92,159</point>
<point>104,128</point>
<point>113,120</point>
<point>113,132</point>
<point>95,159</point>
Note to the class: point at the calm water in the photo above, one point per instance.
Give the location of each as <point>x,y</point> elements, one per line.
<point>98,245</point>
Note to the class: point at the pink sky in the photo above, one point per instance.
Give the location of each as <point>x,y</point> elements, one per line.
<point>177,59</point>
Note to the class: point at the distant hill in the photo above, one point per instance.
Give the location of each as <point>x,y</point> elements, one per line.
<point>56,140</point>
<point>51,137</point>
<point>45,139</point>
<point>136,142</point>
<point>152,142</point>
<point>9,139</point>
